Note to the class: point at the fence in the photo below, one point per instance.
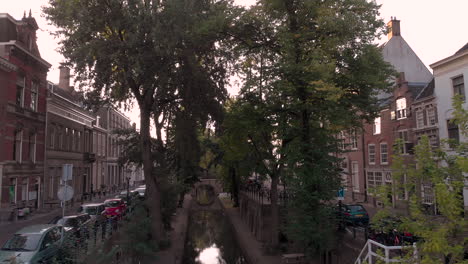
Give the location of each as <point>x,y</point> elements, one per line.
<point>374,251</point>
<point>263,194</point>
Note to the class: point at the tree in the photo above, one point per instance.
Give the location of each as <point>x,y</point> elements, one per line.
<point>133,49</point>
<point>311,70</point>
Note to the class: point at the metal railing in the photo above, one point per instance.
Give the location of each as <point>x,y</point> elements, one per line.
<point>263,194</point>
<point>372,252</point>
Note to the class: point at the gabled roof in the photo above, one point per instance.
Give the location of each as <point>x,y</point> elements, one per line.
<point>462,49</point>
<point>416,88</point>
<point>427,91</point>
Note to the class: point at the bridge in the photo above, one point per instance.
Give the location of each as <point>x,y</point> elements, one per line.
<point>206,190</point>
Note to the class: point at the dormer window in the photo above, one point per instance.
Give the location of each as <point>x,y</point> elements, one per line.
<point>401,108</point>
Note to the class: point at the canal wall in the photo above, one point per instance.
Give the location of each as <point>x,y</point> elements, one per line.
<point>251,248</point>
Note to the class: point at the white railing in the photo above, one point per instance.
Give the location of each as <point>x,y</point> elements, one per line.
<point>372,251</point>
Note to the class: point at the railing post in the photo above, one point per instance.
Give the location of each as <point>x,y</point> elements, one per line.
<point>369,251</point>
<point>387,255</point>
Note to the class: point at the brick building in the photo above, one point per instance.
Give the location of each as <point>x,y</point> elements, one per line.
<point>69,139</point>
<point>370,161</point>
<point>23,88</point>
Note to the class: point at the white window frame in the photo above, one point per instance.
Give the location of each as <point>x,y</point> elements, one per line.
<point>377,127</point>
<point>18,149</point>
<point>354,140</point>
<point>431,114</point>
<point>34,95</point>
<point>370,180</point>
<point>384,153</point>
<point>369,153</point>
<point>32,147</point>
<point>405,140</point>
<point>419,119</point>
<point>21,82</point>
<point>459,88</point>
<point>355,175</point>
<point>401,109</point>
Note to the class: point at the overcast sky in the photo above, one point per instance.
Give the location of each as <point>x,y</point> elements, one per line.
<point>434,29</point>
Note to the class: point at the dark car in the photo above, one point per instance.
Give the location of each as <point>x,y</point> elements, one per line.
<point>77,226</point>
<point>95,211</point>
<point>354,214</point>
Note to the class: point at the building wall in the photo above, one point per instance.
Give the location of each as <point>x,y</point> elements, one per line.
<point>22,175</point>
<point>444,72</point>
<point>444,91</point>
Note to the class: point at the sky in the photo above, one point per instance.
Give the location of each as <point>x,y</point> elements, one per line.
<point>434,29</point>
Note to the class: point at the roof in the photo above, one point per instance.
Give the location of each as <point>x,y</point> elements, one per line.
<point>416,88</point>
<point>35,229</point>
<point>462,49</point>
<point>91,204</point>
<point>427,91</point>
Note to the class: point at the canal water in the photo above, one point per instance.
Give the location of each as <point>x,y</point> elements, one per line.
<point>210,240</point>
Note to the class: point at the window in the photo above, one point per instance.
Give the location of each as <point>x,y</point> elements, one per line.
<point>355,175</point>
<point>34,96</point>
<point>20,83</point>
<point>52,137</point>
<point>376,127</point>
<point>18,145</point>
<point>378,178</point>
<point>431,116</point>
<point>354,144</point>
<point>383,153</point>
<point>401,108</point>
<point>374,180</point>
<point>341,140</point>
<point>419,118</point>
<point>407,147</point>
<point>453,133</point>
<point>459,86</point>
<point>32,148</point>
<point>371,148</point>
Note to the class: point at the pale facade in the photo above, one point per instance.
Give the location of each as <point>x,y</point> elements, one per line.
<point>451,78</point>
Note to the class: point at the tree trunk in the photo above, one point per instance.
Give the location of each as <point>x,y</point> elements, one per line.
<point>153,195</point>
<point>274,213</point>
<point>235,186</point>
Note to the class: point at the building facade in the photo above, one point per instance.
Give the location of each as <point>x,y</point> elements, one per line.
<point>69,140</point>
<point>370,161</point>
<point>23,87</point>
<point>450,79</point>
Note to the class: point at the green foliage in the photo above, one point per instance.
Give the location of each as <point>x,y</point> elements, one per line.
<point>135,240</point>
<point>310,71</point>
<point>443,236</point>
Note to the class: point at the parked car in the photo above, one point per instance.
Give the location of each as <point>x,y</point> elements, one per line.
<point>95,211</point>
<point>33,244</point>
<point>115,207</point>
<point>354,214</point>
<point>141,192</point>
<point>76,226</point>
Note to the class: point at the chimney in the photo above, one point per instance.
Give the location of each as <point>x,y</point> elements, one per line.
<point>393,28</point>
<point>64,79</point>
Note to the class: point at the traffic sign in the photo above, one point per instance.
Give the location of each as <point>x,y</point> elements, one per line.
<point>340,194</point>
<point>65,193</point>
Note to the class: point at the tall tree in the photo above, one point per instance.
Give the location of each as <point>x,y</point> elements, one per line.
<point>125,49</point>
<point>313,67</point>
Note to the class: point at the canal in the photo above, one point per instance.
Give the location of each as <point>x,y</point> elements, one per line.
<point>210,240</point>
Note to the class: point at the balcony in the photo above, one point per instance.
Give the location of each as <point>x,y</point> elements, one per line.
<point>89,157</point>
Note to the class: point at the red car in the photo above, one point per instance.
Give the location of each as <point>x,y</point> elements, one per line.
<point>114,208</point>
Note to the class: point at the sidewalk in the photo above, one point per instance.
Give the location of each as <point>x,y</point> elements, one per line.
<point>175,253</point>
<point>251,248</point>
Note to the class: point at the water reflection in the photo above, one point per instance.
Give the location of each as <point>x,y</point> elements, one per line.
<point>210,240</point>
